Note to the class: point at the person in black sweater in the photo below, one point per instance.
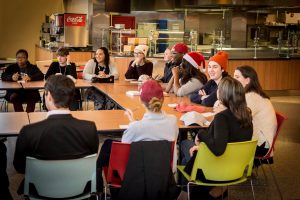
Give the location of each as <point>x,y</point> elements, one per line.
<point>22,70</point>
<point>234,124</point>
<point>64,67</point>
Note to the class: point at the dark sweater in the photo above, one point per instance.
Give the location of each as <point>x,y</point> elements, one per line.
<point>66,70</point>
<point>31,70</point>
<point>223,129</point>
<point>134,72</point>
<point>210,89</point>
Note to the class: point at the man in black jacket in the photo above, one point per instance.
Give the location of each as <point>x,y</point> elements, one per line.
<point>22,70</point>
<point>60,136</point>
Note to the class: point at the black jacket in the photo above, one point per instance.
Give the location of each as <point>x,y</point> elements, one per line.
<point>67,70</point>
<point>148,174</point>
<point>31,70</point>
<point>55,138</point>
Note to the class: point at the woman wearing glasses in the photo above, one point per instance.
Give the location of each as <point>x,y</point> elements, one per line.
<point>140,65</point>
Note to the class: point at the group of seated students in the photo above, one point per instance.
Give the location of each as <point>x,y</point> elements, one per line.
<point>243,110</point>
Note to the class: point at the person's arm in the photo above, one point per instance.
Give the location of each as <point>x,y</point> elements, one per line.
<point>21,150</point>
<point>7,75</point>
<point>210,99</point>
<point>195,97</point>
<point>35,73</point>
<point>89,70</point>
<point>176,84</point>
<point>114,71</point>
<point>170,85</point>
<point>51,70</point>
<point>129,134</point>
<point>188,88</point>
<point>131,72</point>
<point>71,70</point>
<point>216,138</point>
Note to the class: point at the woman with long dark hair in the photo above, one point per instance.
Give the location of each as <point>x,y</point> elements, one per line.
<point>192,79</point>
<point>263,113</point>
<point>233,124</point>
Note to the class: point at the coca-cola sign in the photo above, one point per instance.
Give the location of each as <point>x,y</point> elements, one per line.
<point>75,19</point>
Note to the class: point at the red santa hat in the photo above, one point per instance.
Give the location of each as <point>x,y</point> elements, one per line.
<point>195,59</point>
<point>180,48</point>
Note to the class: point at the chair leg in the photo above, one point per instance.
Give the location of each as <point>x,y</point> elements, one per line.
<point>188,190</point>
<point>275,180</point>
<point>253,194</point>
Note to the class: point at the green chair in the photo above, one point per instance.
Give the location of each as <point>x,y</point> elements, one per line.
<point>232,167</point>
<point>60,179</point>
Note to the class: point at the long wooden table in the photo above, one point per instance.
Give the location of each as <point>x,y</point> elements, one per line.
<point>105,120</point>
<point>11,123</point>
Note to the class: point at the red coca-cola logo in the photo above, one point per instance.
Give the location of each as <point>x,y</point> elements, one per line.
<point>75,19</point>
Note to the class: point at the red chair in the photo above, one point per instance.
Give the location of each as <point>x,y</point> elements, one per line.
<point>117,164</point>
<point>80,71</point>
<point>265,159</point>
<point>118,160</point>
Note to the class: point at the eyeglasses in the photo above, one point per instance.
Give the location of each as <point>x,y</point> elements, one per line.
<point>136,53</point>
<point>20,57</point>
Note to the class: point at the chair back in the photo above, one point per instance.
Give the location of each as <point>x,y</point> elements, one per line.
<point>280,119</point>
<point>235,163</point>
<point>117,163</point>
<point>61,178</point>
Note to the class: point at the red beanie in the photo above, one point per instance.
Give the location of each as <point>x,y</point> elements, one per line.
<point>151,89</point>
<point>180,48</point>
<point>221,58</point>
<point>195,59</point>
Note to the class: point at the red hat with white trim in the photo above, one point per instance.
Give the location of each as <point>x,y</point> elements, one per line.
<point>195,59</point>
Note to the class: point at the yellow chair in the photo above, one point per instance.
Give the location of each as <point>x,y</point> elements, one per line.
<point>232,167</point>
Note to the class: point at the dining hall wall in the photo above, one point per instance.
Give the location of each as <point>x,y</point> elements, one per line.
<point>20,24</point>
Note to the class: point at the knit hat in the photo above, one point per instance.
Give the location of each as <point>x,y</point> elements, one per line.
<point>195,59</point>
<point>151,89</point>
<point>180,48</point>
<point>141,48</point>
<point>221,58</point>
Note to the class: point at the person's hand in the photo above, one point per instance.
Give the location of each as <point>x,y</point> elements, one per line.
<point>26,78</point>
<point>218,107</point>
<point>129,114</point>
<point>15,76</point>
<point>101,74</point>
<point>68,60</point>
<point>203,94</point>
<point>137,61</point>
<point>192,149</point>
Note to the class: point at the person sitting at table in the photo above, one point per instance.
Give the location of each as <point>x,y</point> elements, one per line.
<point>234,124</point>
<point>60,136</point>
<point>100,67</point>
<point>64,67</point>
<point>22,70</point>
<point>217,66</point>
<point>192,79</point>
<point>168,66</point>
<point>263,113</point>
<point>177,53</point>
<point>155,125</point>
<point>140,65</point>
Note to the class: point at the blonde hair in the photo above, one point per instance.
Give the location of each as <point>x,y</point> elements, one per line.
<point>155,104</point>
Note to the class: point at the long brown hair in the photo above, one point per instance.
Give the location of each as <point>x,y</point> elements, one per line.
<point>189,72</point>
<point>253,85</point>
<point>232,95</point>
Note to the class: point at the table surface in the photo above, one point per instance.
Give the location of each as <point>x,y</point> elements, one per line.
<point>12,122</point>
<point>105,120</point>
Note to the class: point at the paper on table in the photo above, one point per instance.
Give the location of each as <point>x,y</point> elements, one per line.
<point>130,79</point>
<point>123,126</point>
<point>133,93</point>
<point>172,105</point>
